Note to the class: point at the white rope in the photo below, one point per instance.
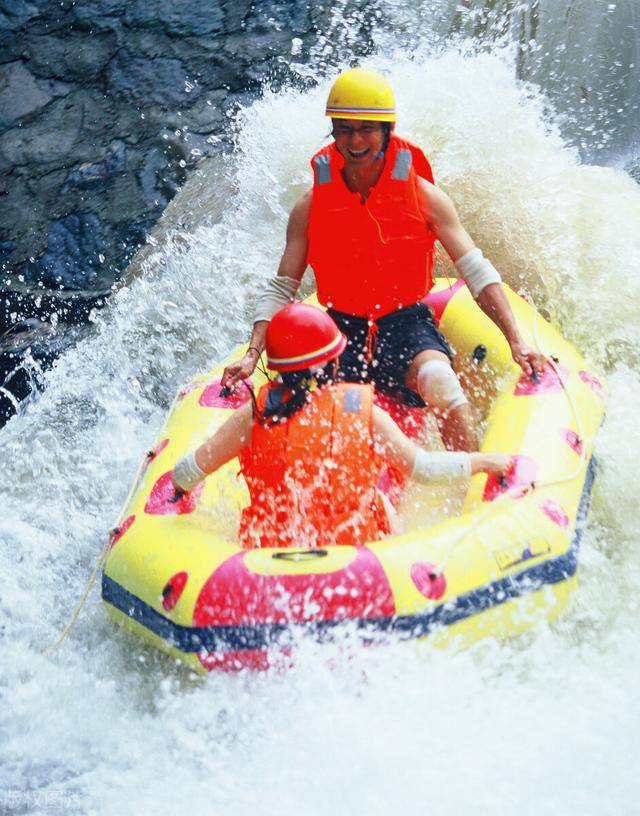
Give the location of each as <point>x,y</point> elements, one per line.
<point>520,491</point>
<point>103,555</point>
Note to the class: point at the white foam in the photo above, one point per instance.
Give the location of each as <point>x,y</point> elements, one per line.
<point>545,725</point>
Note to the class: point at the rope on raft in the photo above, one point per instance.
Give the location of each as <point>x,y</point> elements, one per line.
<point>521,490</point>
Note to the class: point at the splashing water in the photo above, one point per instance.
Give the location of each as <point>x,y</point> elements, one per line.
<point>545,724</point>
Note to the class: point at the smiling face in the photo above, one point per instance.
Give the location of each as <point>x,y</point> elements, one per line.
<point>359,141</point>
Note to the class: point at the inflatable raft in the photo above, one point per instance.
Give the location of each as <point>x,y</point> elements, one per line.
<point>502,560</point>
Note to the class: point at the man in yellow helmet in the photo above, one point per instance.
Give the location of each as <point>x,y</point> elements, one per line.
<point>368,229</point>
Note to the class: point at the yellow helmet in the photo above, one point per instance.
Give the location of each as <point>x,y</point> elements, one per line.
<point>361,94</point>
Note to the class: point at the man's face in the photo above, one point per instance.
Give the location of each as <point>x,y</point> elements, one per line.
<point>359,141</point>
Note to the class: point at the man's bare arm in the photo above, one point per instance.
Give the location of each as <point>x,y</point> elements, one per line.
<point>292,266</point>
<point>440,213</point>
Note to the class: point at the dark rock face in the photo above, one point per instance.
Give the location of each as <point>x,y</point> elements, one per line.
<point>20,94</point>
<point>72,258</point>
<point>105,106</point>
<point>150,79</point>
<point>198,18</point>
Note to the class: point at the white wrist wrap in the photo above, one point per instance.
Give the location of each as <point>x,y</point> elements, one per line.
<point>441,466</point>
<point>186,473</point>
<point>278,291</point>
<point>477,271</point>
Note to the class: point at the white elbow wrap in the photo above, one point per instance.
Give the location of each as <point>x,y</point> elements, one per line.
<point>477,271</point>
<point>439,387</point>
<point>278,291</point>
<point>441,466</point>
<point>187,473</point>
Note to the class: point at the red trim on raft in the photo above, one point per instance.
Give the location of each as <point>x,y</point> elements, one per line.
<point>121,530</point>
<point>154,453</point>
<point>235,595</point>
<point>411,421</point>
<point>157,450</point>
<point>212,397</point>
<point>546,383</point>
<point>159,502</point>
<point>572,439</point>
<point>173,589</point>
<point>255,660</point>
<point>555,512</point>
<point>429,582</point>
<point>592,381</point>
<point>438,301</point>
<point>523,473</point>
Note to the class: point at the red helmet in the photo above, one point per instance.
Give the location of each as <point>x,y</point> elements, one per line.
<point>300,336</point>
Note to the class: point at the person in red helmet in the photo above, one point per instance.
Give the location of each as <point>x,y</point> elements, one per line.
<point>311,449</point>
<point>368,229</point>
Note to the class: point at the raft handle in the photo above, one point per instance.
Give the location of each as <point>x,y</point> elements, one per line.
<point>304,555</point>
<point>479,353</point>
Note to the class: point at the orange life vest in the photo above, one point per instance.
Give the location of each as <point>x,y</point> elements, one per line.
<point>312,477</point>
<point>373,257</point>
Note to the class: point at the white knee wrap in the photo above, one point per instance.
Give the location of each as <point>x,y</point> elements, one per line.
<point>439,387</point>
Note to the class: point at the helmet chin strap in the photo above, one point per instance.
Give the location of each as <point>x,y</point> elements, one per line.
<point>386,127</point>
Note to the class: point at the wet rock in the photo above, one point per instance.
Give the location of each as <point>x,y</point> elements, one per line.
<point>20,94</point>
<point>99,13</point>
<point>71,55</point>
<point>159,80</point>
<point>105,107</point>
<point>73,256</point>
<point>197,18</point>
<point>14,14</point>
<point>160,177</point>
<point>46,191</point>
<point>126,199</point>
<point>206,116</point>
<point>97,175</point>
<point>24,220</point>
<point>129,238</point>
<point>89,90</point>
<point>236,13</point>
<point>269,15</point>
<point>67,132</point>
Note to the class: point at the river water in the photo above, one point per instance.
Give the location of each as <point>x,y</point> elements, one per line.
<point>546,724</point>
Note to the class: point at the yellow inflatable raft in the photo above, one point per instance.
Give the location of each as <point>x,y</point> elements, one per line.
<point>502,560</point>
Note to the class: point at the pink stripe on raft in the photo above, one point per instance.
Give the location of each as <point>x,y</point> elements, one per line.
<point>438,301</point>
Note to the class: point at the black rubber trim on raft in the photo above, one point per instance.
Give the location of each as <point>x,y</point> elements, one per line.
<point>262,636</point>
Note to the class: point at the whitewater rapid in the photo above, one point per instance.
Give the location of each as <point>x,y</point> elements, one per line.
<point>546,724</point>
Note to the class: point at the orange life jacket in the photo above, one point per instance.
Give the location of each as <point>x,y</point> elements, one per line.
<point>373,257</point>
<point>312,477</point>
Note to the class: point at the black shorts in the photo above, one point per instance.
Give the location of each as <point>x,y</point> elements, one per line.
<point>400,337</point>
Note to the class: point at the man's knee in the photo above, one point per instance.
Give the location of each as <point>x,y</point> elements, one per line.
<point>439,387</point>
